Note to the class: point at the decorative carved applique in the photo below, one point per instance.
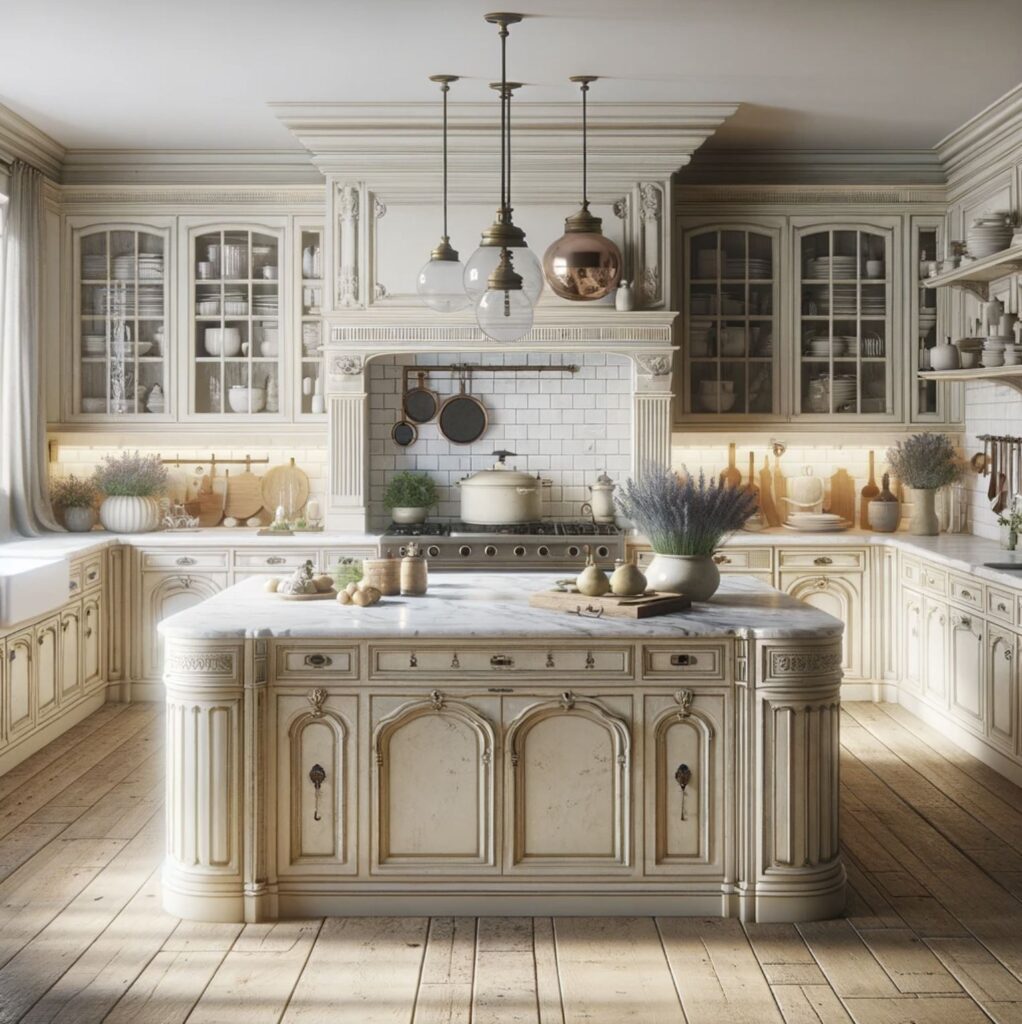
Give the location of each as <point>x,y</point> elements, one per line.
<point>379,208</point>
<point>379,291</point>
<point>317,698</point>
<point>210,663</point>
<point>650,283</point>
<point>436,700</point>
<point>650,199</point>
<point>349,366</point>
<point>804,663</point>
<point>567,700</point>
<point>621,207</point>
<point>654,366</point>
<point>684,698</point>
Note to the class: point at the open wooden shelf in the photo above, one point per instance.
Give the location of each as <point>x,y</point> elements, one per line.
<point>1009,376</point>
<point>976,276</point>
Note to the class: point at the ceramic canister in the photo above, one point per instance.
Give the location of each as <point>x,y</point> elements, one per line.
<point>414,572</point>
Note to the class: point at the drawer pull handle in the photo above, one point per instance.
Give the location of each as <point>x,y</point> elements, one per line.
<point>73,586</point>
<point>500,689</point>
<point>502,661</point>
<point>455,663</point>
<point>683,776</point>
<point>682,660</point>
<point>1001,606</point>
<point>92,575</point>
<point>318,660</point>
<point>967,595</point>
<point>275,560</point>
<point>550,659</point>
<point>185,560</point>
<point>590,660</point>
<point>722,559</point>
<point>823,560</point>
<point>317,776</point>
<point>88,632</point>
<point>413,660</point>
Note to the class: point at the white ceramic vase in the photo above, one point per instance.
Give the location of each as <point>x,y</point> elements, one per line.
<point>80,519</point>
<point>409,515</point>
<point>923,521</point>
<point>695,576</point>
<point>129,514</point>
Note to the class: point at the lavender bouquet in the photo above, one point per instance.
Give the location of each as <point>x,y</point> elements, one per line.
<point>925,462</point>
<point>682,515</point>
<point>131,475</point>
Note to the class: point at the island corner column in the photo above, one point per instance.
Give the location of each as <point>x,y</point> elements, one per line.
<point>789,762</point>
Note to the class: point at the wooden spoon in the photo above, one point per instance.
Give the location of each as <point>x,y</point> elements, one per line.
<point>992,486</point>
<point>731,477</point>
<point>868,493</point>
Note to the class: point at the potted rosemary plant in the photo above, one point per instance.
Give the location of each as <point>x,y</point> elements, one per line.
<point>685,520</point>
<point>924,463</point>
<point>76,500</point>
<point>130,483</point>
<point>410,496</point>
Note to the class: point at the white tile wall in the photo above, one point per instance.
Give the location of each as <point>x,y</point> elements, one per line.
<point>989,409</point>
<point>567,427</point>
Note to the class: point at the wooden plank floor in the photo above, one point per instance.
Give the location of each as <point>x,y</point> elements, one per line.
<point>933,932</point>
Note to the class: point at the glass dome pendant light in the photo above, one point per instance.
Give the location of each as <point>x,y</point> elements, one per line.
<point>503,233</point>
<point>441,281</point>
<point>582,264</point>
<point>504,311</point>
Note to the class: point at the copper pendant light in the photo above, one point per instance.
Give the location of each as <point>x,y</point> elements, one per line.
<point>583,265</point>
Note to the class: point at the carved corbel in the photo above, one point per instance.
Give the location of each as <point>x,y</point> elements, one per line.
<point>347,226</point>
<point>650,244</point>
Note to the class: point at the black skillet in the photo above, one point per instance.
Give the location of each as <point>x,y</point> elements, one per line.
<point>420,404</point>
<point>463,418</point>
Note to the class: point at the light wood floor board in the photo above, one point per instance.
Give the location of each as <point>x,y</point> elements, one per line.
<point>932,933</point>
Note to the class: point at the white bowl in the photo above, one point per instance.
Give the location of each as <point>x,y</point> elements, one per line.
<point>238,397</point>
<point>222,341</point>
<point>93,405</point>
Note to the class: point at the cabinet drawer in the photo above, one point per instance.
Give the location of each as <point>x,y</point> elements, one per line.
<point>309,661</point>
<point>273,560</point>
<point>92,573</point>
<point>1001,605</point>
<point>816,558</point>
<point>449,663</point>
<point>195,559</point>
<point>934,581</point>
<point>334,555</point>
<point>743,559</point>
<point>685,661</point>
<point>967,592</point>
<point>911,572</point>
<point>75,580</point>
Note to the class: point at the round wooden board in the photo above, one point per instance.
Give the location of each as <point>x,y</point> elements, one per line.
<point>287,486</point>
<point>244,496</point>
<point>323,596</point>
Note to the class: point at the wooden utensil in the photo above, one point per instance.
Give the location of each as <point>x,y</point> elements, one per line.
<point>1000,498</point>
<point>993,485</point>
<point>287,486</point>
<point>752,487</point>
<point>610,606</point>
<point>766,494</point>
<point>211,501</point>
<point>780,489</point>
<point>868,493</point>
<point>731,477</point>
<point>244,495</point>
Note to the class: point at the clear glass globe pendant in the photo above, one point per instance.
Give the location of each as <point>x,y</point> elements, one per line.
<point>483,262</point>
<point>504,311</point>
<point>440,283</point>
<point>583,265</point>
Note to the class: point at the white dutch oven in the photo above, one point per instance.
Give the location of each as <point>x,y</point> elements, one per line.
<point>500,496</point>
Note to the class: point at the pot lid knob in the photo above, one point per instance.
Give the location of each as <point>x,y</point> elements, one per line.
<point>604,479</point>
<point>501,455</point>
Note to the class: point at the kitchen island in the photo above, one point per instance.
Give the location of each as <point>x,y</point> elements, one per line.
<point>465,753</point>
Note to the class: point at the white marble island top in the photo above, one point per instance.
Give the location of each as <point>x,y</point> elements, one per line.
<point>486,605</point>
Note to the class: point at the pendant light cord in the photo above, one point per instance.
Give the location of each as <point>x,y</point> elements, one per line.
<point>585,156</point>
<point>504,190</point>
<point>445,89</point>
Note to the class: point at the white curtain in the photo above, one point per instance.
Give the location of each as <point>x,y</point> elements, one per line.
<point>24,492</point>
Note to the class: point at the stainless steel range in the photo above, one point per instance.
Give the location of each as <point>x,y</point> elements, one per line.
<point>540,545</point>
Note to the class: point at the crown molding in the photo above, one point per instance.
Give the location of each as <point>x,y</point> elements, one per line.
<point>396,146</point>
<point>188,198</point>
<point>21,140</point>
<point>813,167</point>
<point>786,196</point>
<point>986,138</point>
<point>189,167</point>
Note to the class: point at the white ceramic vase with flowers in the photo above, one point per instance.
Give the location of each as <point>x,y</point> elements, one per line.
<point>924,463</point>
<point>131,484</point>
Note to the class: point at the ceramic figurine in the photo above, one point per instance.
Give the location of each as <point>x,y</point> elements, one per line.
<point>624,298</point>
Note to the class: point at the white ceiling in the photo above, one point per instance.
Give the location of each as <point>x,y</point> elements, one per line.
<point>813,74</point>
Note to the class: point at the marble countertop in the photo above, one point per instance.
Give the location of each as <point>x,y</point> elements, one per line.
<point>486,605</point>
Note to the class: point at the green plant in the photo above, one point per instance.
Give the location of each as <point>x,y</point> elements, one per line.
<point>131,474</point>
<point>347,570</point>
<point>684,516</point>
<point>925,461</point>
<point>73,492</point>
<point>410,490</point>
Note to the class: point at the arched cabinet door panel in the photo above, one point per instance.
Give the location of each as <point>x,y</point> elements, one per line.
<point>966,639</point>
<point>92,641</point>
<point>913,652</point>
<point>21,704</point>
<point>1002,688</point>
<point>433,794</point>
<point>840,595</point>
<point>47,666</point>
<point>568,785</point>
<point>685,788</point>
<point>70,653</point>
<point>935,647</point>
<point>316,798</point>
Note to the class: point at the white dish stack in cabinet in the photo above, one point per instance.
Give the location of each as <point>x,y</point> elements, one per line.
<point>308,341</point>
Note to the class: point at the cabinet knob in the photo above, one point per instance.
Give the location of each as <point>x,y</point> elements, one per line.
<point>722,559</point>
<point>92,575</point>
<point>502,661</point>
<point>683,776</point>
<point>318,660</point>
<point>823,560</point>
<point>1008,654</point>
<point>682,660</point>
<point>1001,606</point>
<point>275,560</point>
<point>967,595</point>
<point>88,632</point>
<point>185,560</point>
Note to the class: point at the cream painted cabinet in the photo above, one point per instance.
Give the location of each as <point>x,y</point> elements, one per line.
<point>1001,690</point>
<point>317,750</point>
<point>20,710</point>
<point>841,595</point>
<point>163,594</point>
<point>967,642</point>
<point>92,640</point>
<point>684,783</point>
<point>433,791</point>
<point>71,652</point>
<point>935,647</point>
<point>913,659</point>
<point>47,665</point>
<point>567,790</point>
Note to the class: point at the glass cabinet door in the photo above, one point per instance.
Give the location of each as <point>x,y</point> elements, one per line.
<point>121,305</point>
<point>236,315</point>
<point>730,324</point>
<point>310,400</point>
<point>927,398</point>
<point>845,318</point>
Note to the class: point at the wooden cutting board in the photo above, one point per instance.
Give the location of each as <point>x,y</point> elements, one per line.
<point>211,503</point>
<point>612,607</point>
<point>244,495</point>
<point>287,486</point>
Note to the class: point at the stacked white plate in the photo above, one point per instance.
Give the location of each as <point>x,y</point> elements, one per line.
<point>842,390</point>
<point>235,302</point>
<point>94,266</point>
<point>94,344</point>
<point>822,348</point>
<point>122,267</point>
<point>150,266</point>
<point>755,268</point>
<point>832,266</point>
<point>988,234</point>
<point>150,300</point>
<point>816,522</point>
<point>207,305</point>
<point>233,260</point>
<point>263,304</point>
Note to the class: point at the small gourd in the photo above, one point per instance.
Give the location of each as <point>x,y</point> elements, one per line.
<point>592,580</point>
<point>627,580</point>
<point>272,583</point>
<point>324,584</point>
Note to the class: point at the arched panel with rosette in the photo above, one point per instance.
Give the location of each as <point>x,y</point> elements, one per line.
<point>838,595</point>
<point>568,770</point>
<point>433,789</point>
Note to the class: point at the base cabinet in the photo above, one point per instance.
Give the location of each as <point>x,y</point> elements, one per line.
<point>1001,689</point>
<point>935,647</point>
<point>967,644</point>
<point>71,653</point>
<point>841,595</point>
<point>47,666</point>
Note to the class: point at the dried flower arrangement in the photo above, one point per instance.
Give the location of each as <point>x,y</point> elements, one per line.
<point>925,462</point>
<point>73,492</point>
<point>131,474</point>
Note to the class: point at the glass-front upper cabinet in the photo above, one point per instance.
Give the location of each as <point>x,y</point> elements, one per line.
<point>845,347</point>
<point>928,396</point>
<point>121,305</point>
<point>730,345</point>
<point>236,297</point>
<point>309,398</point>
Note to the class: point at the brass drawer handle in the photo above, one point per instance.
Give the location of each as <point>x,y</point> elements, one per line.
<point>1001,606</point>
<point>185,560</point>
<point>683,776</point>
<point>275,560</point>
<point>823,560</point>
<point>967,595</point>
<point>502,661</point>
<point>92,576</point>
<point>318,660</point>
<point>683,660</point>
<point>88,632</point>
<point>722,559</point>
<point>317,776</point>
<point>72,586</point>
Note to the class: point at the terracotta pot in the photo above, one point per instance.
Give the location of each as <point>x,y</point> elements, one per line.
<point>695,576</point>
<point>923,521</point>
<point>129,514</point>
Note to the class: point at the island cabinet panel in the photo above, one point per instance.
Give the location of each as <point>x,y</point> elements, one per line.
<point>449,663</point>
<point>312,660</point>
<point>966,641</point>
<point>684,783</point>
<point>317,751</point>
<point>913,658</point>
<point>433,790</point>
<point>70,652</point>
<point>1001,679</point>
<point>686,660</point>
<point>568,784</point>
<point>841,594</point>
<point>47,665</point>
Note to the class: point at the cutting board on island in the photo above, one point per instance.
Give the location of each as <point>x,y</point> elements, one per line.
<point>642,607</point>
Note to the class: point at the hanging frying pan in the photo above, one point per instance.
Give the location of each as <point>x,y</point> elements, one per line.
<point>420,404</point>
<point>404,433</point>
<point>463,418</point>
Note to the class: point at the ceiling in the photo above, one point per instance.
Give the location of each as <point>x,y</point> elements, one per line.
<point>811,74</point>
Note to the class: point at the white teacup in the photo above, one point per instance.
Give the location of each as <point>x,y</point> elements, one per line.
<point>270,273</point>
<point>874,268</point>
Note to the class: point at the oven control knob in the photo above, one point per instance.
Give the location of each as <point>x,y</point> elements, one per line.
<point>602,551</point>
<point>573,551</point>
<point>433,551</point>
<point>490,550</point>
<point>464,551</point>
<point>519,551</point>
<point>542,551</point>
